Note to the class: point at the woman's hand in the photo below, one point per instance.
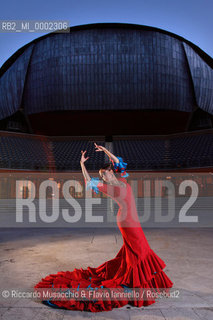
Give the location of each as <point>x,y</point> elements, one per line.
<point>99,148</point>
<point>110,155</point>
<point>83,159</point>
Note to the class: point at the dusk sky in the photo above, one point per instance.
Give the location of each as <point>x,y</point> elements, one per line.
<point>191,19</point>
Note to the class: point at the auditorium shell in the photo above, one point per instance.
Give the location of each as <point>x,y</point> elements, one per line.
<point>107,67</point>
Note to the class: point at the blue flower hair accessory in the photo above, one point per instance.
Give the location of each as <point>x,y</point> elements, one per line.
<point>121,166</point>
<point>93,184</point>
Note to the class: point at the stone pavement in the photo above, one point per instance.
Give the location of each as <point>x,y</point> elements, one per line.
<point>27,255</point>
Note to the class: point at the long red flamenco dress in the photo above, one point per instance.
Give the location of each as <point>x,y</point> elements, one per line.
<point>136,265</point>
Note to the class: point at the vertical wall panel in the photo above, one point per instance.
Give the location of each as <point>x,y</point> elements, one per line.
<point>12,84</point>
<point>202,76</point>
<point>111,68</point>
<point>108,69</point>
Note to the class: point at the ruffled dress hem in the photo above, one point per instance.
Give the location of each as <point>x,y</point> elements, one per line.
<point>147,273</point>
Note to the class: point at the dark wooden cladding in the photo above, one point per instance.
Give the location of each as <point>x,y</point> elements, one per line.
<point>107,67</point>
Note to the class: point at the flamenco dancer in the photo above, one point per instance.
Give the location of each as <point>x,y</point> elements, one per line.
<point>136,265</point>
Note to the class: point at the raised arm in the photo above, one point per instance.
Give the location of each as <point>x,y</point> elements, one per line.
<point>118,163</point>
<point>89,182</point>
<point>86,175</point>
<point>110,155</point>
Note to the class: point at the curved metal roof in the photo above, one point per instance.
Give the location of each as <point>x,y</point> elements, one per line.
<point>107,67</point>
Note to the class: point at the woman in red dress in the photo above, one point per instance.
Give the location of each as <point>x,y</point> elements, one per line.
<point>136,265</point>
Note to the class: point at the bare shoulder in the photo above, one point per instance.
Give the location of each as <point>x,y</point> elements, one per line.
<point>101,183</point>
<point>123,181</point>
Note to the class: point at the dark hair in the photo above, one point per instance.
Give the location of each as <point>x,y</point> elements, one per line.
<point>107,166</point>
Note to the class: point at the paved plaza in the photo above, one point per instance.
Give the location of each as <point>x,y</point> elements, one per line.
<point>28,254</point>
